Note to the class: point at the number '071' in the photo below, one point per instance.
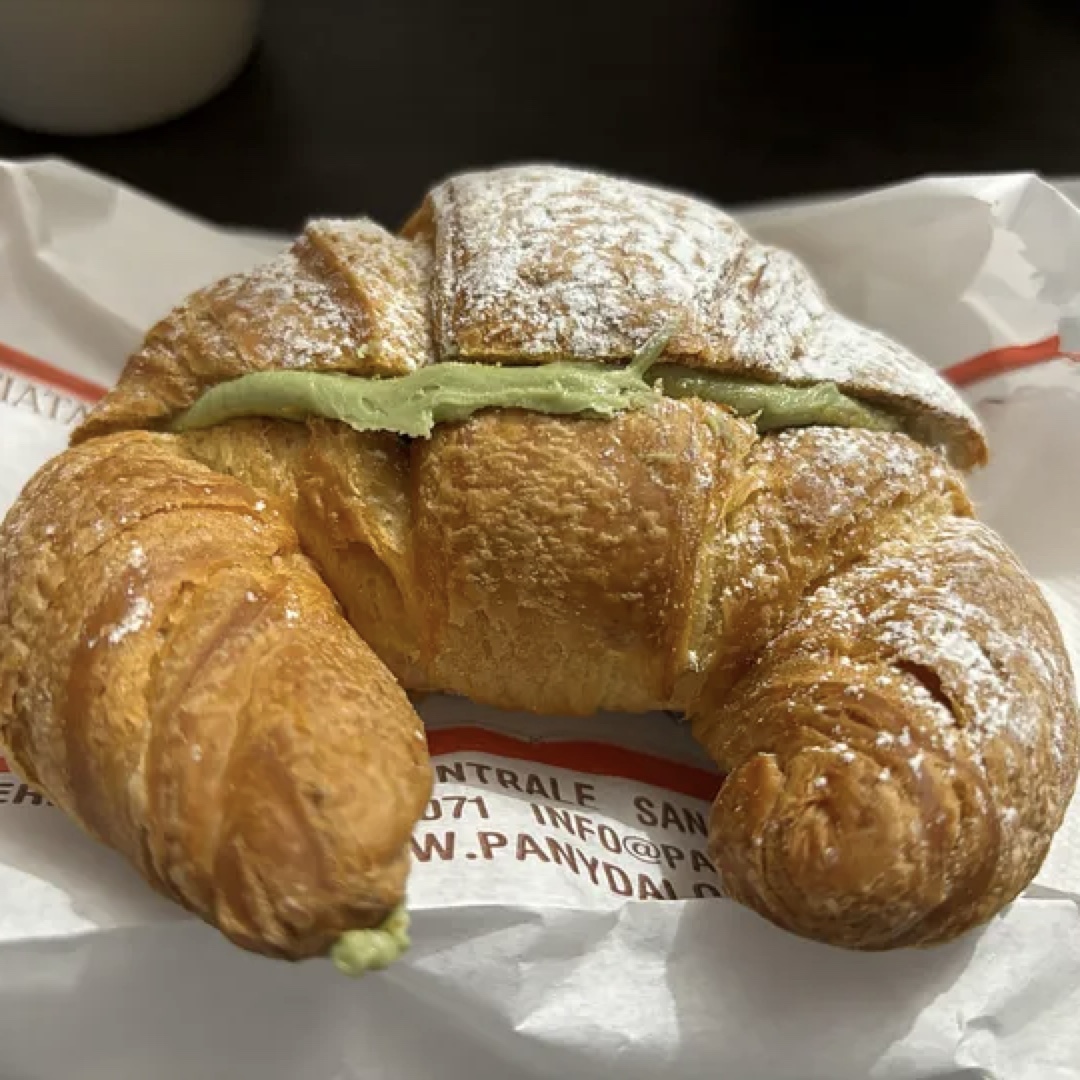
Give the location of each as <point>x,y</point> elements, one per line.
<point>455,807</point>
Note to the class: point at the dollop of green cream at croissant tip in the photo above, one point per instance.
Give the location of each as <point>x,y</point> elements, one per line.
<point>357,952</point>
<point>411,405</point>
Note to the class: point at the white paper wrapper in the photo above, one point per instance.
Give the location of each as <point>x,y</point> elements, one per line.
<point>565,916</point>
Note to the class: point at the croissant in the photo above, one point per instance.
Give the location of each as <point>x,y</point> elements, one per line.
<point>565,443</point>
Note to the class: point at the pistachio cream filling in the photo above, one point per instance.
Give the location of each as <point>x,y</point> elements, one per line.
<point>413,404</point>
<point>359,951</point>
<point>774,405</point>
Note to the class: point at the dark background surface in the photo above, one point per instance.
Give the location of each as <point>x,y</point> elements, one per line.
<point>356,106</point>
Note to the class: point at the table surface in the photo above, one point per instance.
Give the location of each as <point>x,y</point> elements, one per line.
<point>353,106</point>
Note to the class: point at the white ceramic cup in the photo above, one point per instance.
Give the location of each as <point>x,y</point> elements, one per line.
<point>93,67</point>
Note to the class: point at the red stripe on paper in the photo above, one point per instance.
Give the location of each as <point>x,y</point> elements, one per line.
<point>996,362</point>
<point>593,758</point>
<point>23,364</point>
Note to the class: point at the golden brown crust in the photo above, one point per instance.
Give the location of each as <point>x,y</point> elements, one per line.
<point>176,677</point>
<point>526,265</point>
<point>347,494</point>
<point>807,503</point>
<point>884,683</point>
<point>900,756</point>
<point>562,553</point>
<point>536,263</point>
<point>347,297</point>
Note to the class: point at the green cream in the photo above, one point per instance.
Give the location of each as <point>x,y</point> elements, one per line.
<point>413,404</point>
<point>774,405</point>
<point>360,951</point>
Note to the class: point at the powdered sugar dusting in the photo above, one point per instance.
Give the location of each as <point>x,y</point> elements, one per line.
<point>809,500</point>
<point>967,659</point>
<point>540,263</point>
<point>138,615</point>
<point>832,479</point>
<point>347,297</point>
<point>278,316</point>
<point>391,279</point>
<point>559,263</point>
